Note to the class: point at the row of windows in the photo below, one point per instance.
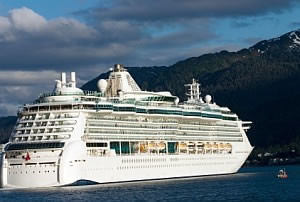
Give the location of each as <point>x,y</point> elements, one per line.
<point>153,160</point>
<point>146,160</point>
<point>46,145</point>
<point>28,172</point>
<point>202,134</point>
<point>45,116</point>
<point>138,126</point>
<point>163,111</point>
<point>96,144</point>
<point>155,121</point>
<point>160,98</point>
<point>170,165</point>
<point>157,137</point>
<point>45,123</point>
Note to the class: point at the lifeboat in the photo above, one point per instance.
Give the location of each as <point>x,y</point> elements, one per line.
<point>228,147</point>
<point>192,147</point>
<point>161,146</point>
<point>207,145</point>
<point>143,147</point>
<point>200,145</point>
<point>215,146</point>
<point>182,145</point>
<point>152,145</point>
<point>208,148</point>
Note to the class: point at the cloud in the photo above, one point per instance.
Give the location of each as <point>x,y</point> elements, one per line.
<point>240,24</point>
<point>252,40</point>
<point>170,10</point>
<point>26,20</point>
<point>129,32</point>
<point>295,25</point>
<point>20,87</point>
<point>14,96</point>
<point>132,32</point>
<point>27,78</point>
<point>30,42</point>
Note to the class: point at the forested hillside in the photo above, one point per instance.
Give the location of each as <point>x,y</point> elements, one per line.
<point>260,84</point>
<point>6,126</point>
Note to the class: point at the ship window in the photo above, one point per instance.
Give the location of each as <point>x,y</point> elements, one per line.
<point>44,108</point>
<point>103,106</point>
<point>139,110</point>
<point>216,116</point>
<point>127,109</point>
<point>125,148</point>
<point>230,118</point>
<point>96,144</point>
<point>66,107</point>
<point>115,146</point>
<point>192,113</point>
<point>55,107</point>
<point>134,147</point>
<point>172,147</point>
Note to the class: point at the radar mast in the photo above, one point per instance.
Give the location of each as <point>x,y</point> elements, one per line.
<point>193,91</point>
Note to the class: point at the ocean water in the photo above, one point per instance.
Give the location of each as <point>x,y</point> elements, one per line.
<point>249,184</point>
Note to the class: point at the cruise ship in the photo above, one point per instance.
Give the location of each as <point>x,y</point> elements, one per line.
<point>120,134</point>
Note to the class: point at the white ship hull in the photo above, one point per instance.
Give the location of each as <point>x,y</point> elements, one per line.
<point>120,169</point>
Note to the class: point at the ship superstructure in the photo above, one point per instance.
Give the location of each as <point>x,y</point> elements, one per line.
<point>121,134</point>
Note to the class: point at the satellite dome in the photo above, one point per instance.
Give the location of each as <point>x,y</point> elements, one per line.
<point>102,84</point>
<point>207,98</point>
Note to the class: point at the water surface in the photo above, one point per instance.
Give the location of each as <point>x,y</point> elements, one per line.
<point>250,184</point>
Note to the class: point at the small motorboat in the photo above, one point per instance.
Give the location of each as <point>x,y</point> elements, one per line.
<point>282,174</point>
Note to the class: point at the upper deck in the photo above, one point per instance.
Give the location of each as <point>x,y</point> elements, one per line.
<point>120,93</point>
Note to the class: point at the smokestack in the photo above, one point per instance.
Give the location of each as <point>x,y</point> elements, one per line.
<point>63,79</point>
<point>73,80</point>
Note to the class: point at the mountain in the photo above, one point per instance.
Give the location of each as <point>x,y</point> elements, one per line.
<point>260,84</point>
<point>6,126</point>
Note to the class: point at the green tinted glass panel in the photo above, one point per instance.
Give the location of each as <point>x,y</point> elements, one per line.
<point>115,146</point>
<point>171,147</point>
<point>125,148</point>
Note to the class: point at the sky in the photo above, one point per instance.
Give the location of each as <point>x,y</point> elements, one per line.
<point>41,39</point>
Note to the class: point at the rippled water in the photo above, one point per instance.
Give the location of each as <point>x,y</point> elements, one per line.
<point>249,184</point>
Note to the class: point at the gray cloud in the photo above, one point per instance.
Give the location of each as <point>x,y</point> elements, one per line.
<point>133,32</point>
<point>14,96</point>
<point>20,87</point>
<point>27,78</point>
<point>170,10</point>
<point>240,24</point>
<point>295,25</point>
<point>252,40</point>
<point>30,42</point>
